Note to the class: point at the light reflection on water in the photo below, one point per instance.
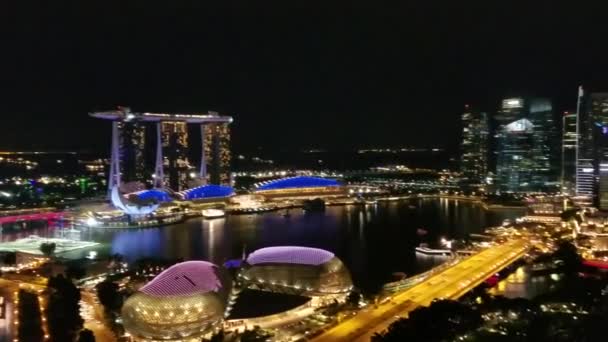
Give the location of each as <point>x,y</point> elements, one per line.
<point>374,241</point>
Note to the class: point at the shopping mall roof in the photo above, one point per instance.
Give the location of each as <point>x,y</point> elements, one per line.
<point>159,195</point>
<point>207,191</point>
<point>297,182</point>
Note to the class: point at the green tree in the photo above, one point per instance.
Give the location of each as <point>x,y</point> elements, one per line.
<point>64,309</point>
<point>75,271</point>
<point>47,248</point>
<point>86,335</point>
<point>10,258</point>
<point>109,296</point>
<point>30,320</point>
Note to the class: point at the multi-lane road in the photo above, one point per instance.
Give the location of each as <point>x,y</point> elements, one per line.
<point>449,284</point>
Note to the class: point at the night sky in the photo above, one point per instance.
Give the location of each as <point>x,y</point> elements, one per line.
<point>293,74</point>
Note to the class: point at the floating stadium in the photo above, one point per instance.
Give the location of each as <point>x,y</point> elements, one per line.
<point>185,302</point>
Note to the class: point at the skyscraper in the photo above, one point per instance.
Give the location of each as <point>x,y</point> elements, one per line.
<point>526,145</point>
<point>585,155</point>
<point>597,122</point>
<point>132,144</point>
<point>175,150</point>
<point>545,147</point>
<point>474,158</point>
<point>568,163</point>
<point>217,153</point>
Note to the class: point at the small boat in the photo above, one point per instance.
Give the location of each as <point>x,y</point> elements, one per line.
<point>213,213</point>
<point>286,214</point>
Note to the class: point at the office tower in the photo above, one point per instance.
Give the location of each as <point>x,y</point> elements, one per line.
<point>216,146</point>
<point>132,144</point>
<point>545,146</point>
<point>597,126</point>
<point>514,161</point>
<point>585,158</point>
<point>527,146</point>
<point>568,163</point>
<point>174,137</point>
<point>514,141</point>
<point>474,158</point>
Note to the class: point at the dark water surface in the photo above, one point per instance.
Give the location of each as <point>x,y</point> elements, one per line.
<point>373,241</point>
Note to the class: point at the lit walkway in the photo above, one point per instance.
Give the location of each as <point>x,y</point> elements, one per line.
<point>449,284</point>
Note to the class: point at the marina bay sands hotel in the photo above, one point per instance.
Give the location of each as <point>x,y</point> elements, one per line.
<point>172,166</point>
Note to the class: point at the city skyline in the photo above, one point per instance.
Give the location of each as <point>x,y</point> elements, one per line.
<point>406,65</point>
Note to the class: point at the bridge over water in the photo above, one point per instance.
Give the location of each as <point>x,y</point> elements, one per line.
<point>451,283</point>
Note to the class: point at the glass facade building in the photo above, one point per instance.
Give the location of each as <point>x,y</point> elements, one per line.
<point>217,152</point>
<point>568,163</point>
<point>132,144</point>
<point>475,134</point>
<point>175,151</point>
<point>527,150</point>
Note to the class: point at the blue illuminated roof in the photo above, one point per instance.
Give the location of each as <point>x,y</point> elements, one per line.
<point>297,182</point>
<point>158,195</point>
<point>207,191</point>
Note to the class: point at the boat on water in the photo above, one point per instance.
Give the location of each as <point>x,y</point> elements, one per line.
<point>286,214</point>
<point>213,213</point>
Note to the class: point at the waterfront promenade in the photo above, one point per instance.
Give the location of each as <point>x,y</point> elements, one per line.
<point>449,284</point>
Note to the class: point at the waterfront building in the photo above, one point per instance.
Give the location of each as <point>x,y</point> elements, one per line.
<point>185,302</point>
<point>527,153</point>
<point>569,144</point>
<point>132,144</point>
<point>172,146</point>
<point>300,186</point>
<point>304,271</point>
<point>475,133</point>
<point>174,137</point>
<point>217,152</point>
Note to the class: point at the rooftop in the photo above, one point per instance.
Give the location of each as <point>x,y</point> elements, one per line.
<point>290,255</point>
<point>183,279</point>
<point>296,182</point>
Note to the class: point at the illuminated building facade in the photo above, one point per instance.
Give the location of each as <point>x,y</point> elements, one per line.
<point>132,144</point>
<point>597,106</point>
<point>185,302</point>
<point>174,136</point>
<point>300,186</point>
<point>305,271</point>
<point>475,133</point>
<point>545,150</point>
<point>217,153</point>
<point>172,147</point>
<point>568,170</point>
<point>527,153</point>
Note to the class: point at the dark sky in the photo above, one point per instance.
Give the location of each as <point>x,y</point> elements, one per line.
<point>293,74</point>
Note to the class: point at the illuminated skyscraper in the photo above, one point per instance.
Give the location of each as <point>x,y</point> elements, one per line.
<point>545,150</point>
<point>474,159</point>
<point>527,151</point>
<point>513,146</point>
<point>217,153</point>
<point>594,143</point>
<point>132,143</point>
<point>568,169</point>
<point>172,155</point>
<point>174,136</point>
